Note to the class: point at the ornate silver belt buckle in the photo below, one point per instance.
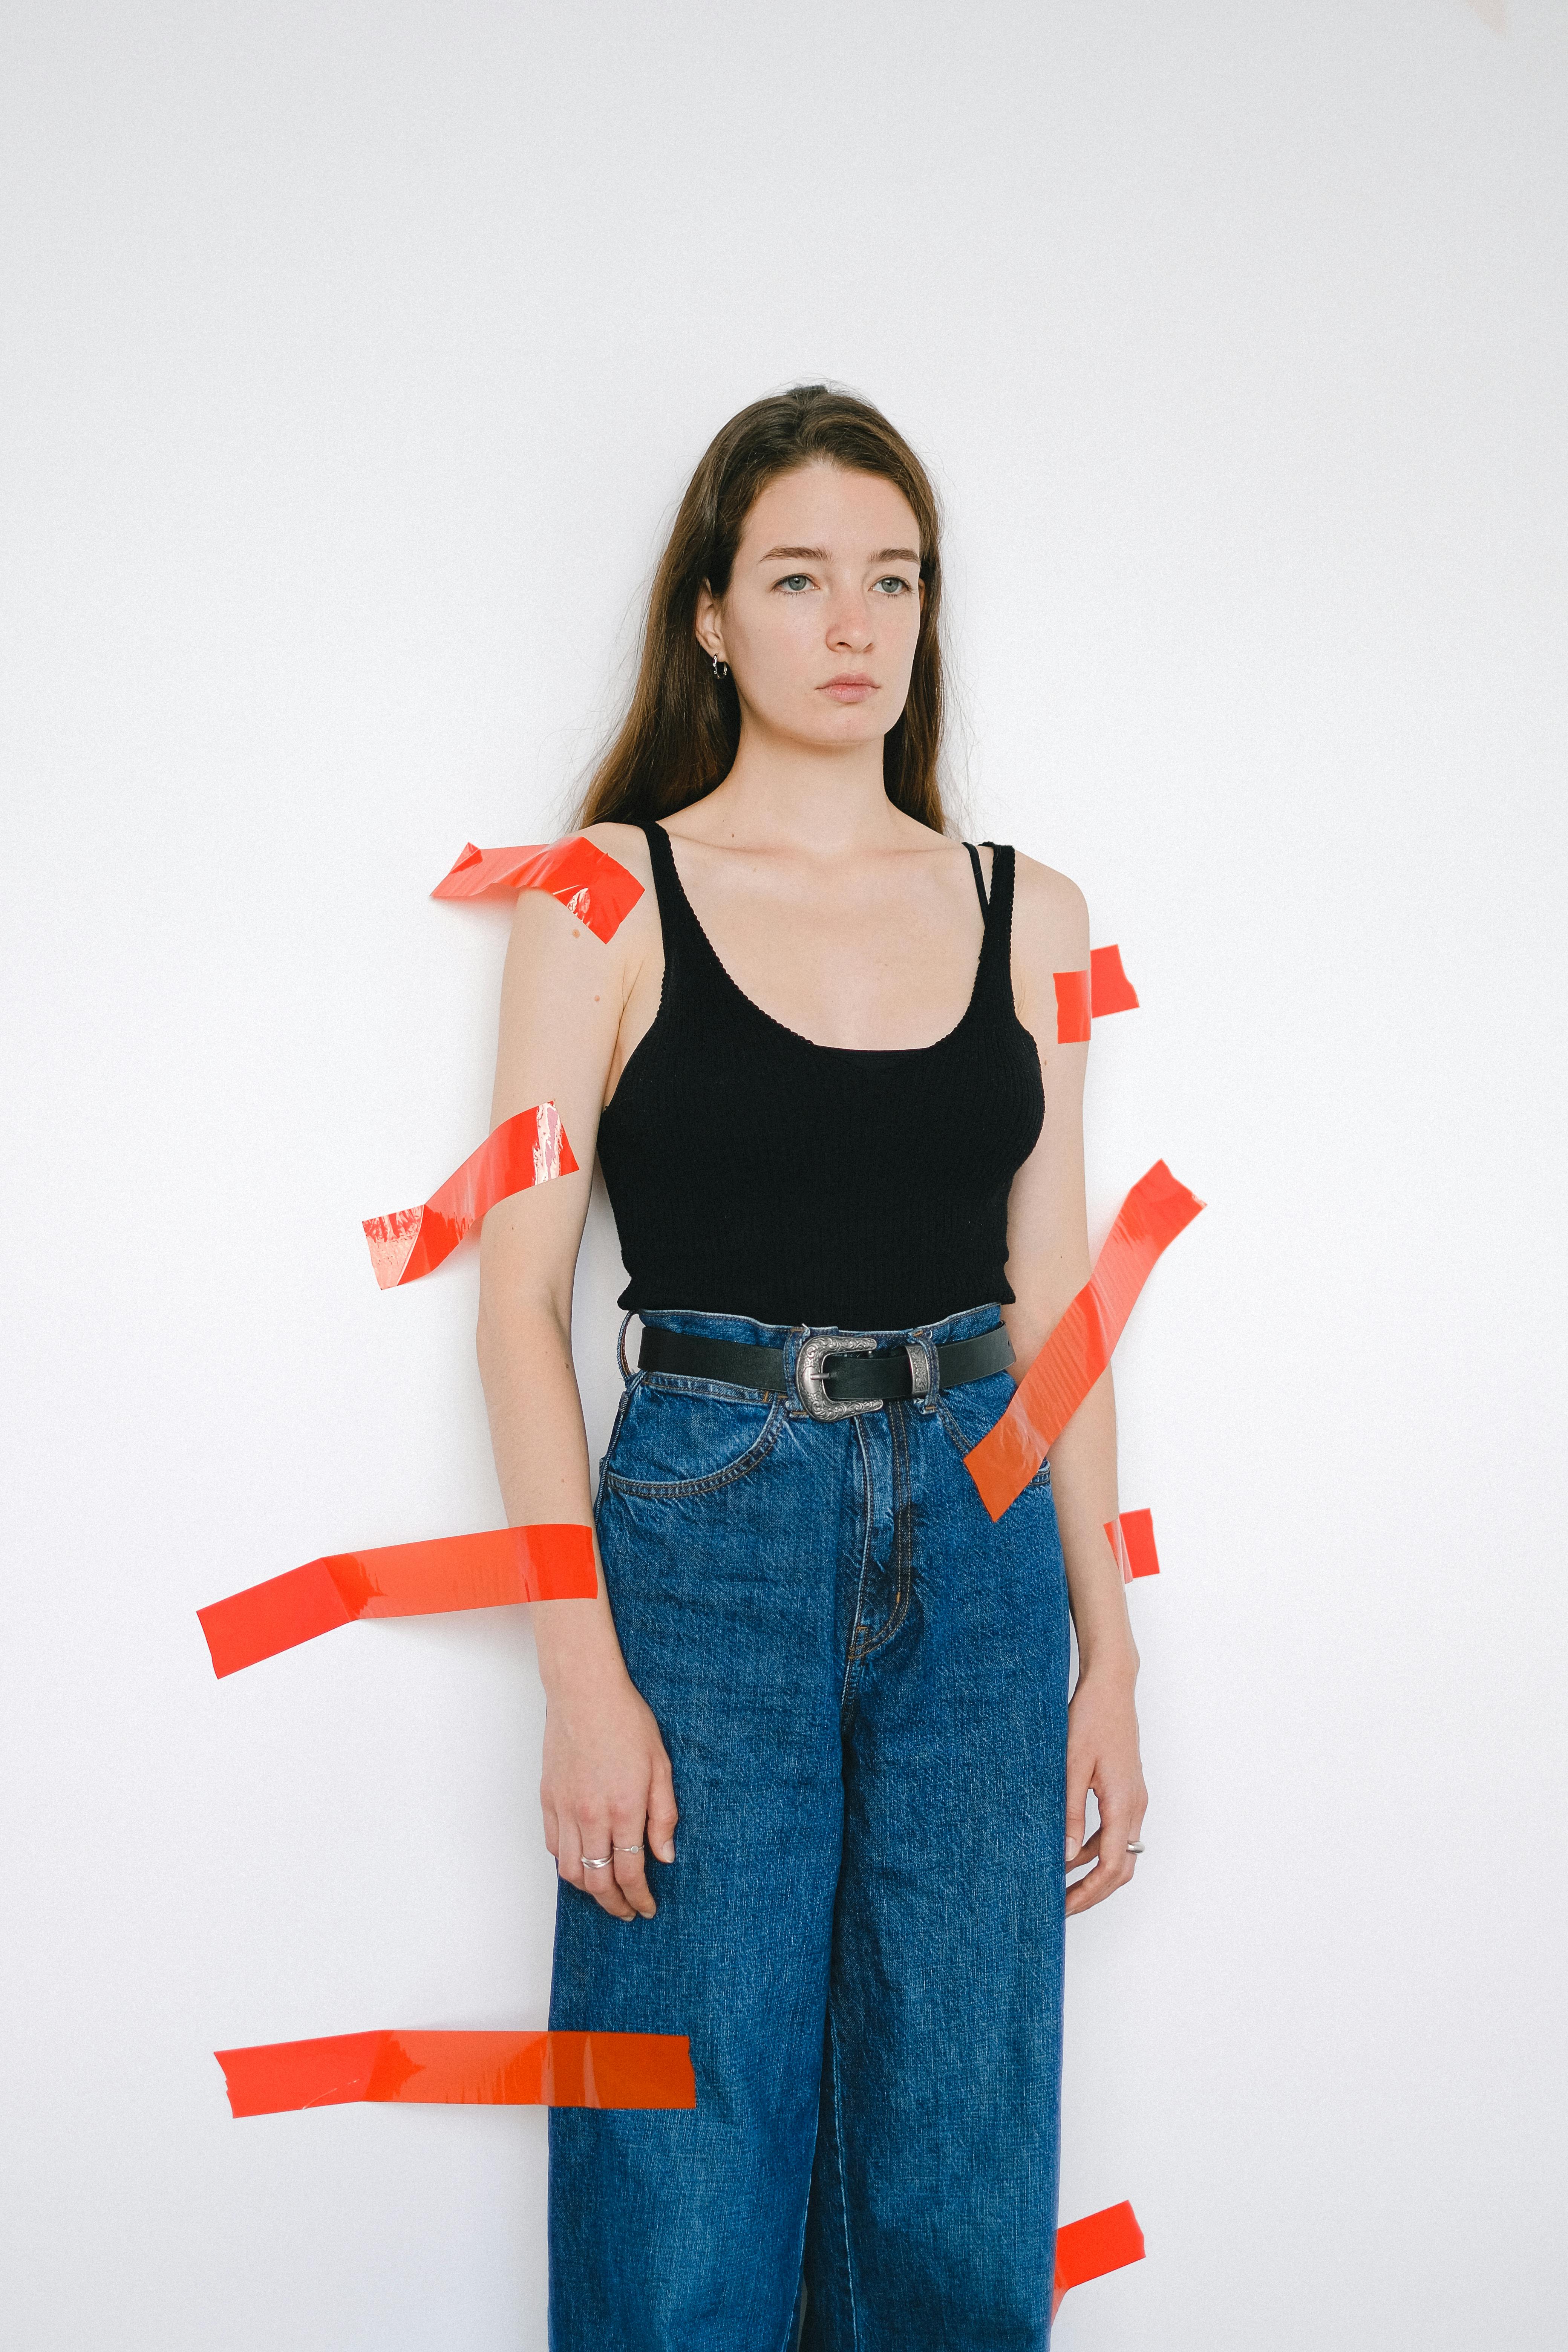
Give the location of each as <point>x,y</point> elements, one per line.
<point>812,1356</point>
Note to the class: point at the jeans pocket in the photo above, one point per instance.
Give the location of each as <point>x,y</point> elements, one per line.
<point>675,1442</point>
<point>621,1409</point>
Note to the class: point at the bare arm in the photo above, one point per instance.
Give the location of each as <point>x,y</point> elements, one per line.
<point>1047,1237</point>
<point>565,998</point>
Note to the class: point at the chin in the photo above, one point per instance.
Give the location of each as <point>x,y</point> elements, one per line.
<point>848,722</point>
<point>847,739</point>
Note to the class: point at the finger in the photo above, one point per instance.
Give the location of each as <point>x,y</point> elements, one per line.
<point>551,1826</point>
<point>628,1832</point>
<point>1092,1888</point>
<point>1116,1840</point>
<point>1088,1851</point>
<point>1078,1777</point>
<point>1113,1863</point>
<point>662,1815</point>
<point>598,1866</point>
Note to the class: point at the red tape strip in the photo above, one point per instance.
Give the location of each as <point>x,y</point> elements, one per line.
<point>545,1562</point>
<point>469,2070</point>
<point>1072,1008</point>
<point>1155,1210</point>
<point>1110,987</point>
<point>527,1149</point>
<point>589,883</point>
<point>1131,1539</point>
<point>1085,995</point>
<point>1101,2242</point>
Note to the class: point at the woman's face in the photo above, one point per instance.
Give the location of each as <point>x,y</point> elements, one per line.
<point>819,622</point>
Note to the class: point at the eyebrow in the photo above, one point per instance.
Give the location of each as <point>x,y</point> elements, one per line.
<point>820,555</point>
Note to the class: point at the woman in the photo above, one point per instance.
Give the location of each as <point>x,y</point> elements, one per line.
<point>819,1065</point>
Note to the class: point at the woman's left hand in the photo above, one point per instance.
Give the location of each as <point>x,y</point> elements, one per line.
<point>1102,1755</point>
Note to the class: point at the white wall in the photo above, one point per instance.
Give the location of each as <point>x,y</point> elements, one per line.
<point>356,355</point>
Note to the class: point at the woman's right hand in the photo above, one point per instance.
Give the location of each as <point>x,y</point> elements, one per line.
<point>607,1788</point>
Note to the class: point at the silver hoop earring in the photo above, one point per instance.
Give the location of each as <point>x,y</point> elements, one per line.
<point>720,669</point>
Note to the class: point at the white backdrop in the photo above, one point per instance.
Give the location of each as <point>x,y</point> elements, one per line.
<point>355,356</point>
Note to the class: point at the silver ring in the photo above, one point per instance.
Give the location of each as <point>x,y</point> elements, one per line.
<point>1136,1849</point>
<point>596,1862</point>
<point>626,1849</point>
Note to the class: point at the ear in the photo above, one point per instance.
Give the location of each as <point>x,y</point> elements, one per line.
<point>710,634</point>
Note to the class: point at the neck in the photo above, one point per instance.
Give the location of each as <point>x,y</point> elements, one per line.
<point>781,795</point>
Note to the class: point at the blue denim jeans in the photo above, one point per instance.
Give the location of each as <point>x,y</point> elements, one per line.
<point>862,1686</point>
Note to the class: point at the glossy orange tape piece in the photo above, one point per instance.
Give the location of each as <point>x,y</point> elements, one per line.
<point>547,1562</point>
<point>1131,1539</point>
<point>589,883</point>
<point>1155,1210</point>
<point>468,2070</point>
<point>1072,1008</point>
<point>524,1150</point>
<point>1110,991</point>
<point>1083,996</point>
<point>1100,2243</point>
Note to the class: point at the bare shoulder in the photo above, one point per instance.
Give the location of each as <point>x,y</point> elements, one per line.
<point>1050,918</point>
<point>627,844</point>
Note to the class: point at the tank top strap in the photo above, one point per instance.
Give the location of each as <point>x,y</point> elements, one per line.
<point>994,980</point>
<point>684,938</point>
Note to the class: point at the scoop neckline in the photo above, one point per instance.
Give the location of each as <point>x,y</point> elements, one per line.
<point>854,1052</point>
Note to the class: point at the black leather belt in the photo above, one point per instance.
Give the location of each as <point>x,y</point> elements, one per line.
<point>836,1372</point>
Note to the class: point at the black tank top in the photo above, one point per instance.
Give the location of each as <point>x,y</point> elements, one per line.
<point>752,1172</point>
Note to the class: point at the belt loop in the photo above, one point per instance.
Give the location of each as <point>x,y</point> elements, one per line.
<point>794,1339</point>
<point>621,1347</point>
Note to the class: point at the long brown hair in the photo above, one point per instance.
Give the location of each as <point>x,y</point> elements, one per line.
<point>681,732</point>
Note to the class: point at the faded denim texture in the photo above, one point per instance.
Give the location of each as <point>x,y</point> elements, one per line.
<point>862,1684</point>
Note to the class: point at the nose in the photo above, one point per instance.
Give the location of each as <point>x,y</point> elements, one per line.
<point>849,627</point>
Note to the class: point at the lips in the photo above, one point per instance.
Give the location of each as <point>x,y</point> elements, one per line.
<point>853,686</point>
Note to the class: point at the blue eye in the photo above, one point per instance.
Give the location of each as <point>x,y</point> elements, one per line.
<point>794,581</point>
<point>893,581</point>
